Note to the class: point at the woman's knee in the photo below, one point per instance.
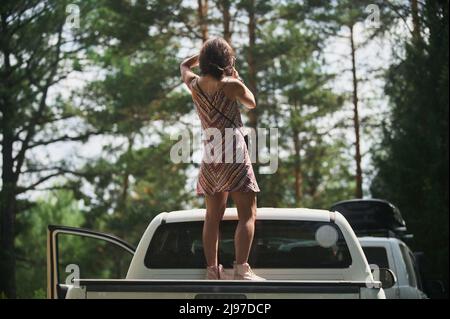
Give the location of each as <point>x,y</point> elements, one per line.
<point>248,219</point>
<point>247,215</point>
<point>214,216</point>
<point>246,206</point>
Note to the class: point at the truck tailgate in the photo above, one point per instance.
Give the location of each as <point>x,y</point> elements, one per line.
<point>212,289</point>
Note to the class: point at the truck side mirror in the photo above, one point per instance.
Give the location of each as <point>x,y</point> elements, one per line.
<point>387,278</point>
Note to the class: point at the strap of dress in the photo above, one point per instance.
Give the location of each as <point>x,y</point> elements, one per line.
<point>217,91</point>
<point>218,111</point>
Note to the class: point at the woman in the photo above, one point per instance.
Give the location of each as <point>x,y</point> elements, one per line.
<point>216,94</point>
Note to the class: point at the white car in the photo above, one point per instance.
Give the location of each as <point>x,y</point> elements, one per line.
<point>303,253</point>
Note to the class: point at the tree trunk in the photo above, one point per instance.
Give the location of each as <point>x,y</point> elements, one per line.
<point>126,175</point>
<point>297,168</point>
<point>415,19</point>
<point>358,192</point>
<point>7,211</point>
<point>122,213</point>
<point>225,9</point>
<point>7,206</point>
<point>202,16</point>
<point>9,182</point>
<point>252,80</point>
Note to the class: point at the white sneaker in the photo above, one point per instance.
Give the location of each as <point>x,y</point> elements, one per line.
<point>216,273</point>
<point>244,272</point>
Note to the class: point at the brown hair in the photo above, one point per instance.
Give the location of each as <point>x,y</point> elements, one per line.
<point>216,58</point>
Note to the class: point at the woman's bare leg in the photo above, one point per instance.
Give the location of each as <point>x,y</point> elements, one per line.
<point>243,237</point>
<point>215,208</point>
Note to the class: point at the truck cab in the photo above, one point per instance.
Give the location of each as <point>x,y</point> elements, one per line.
<point>394,254</point>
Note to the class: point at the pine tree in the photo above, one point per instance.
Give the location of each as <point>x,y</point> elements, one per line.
<point>412,160</point>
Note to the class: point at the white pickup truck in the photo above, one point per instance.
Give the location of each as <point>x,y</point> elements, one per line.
<point>303,253</point>
<point>381,230</point>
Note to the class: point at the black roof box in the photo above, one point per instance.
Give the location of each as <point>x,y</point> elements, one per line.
<point>372,216</point>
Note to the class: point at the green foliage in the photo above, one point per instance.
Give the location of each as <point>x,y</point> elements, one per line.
<point>58,208</point>
<point>61,208</point>
<point>126,207</point>
<point>412,159</point>
<point>293,95</point>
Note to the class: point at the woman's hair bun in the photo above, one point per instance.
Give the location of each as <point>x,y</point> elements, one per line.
<point>216,58</point>
<point>217,67</point>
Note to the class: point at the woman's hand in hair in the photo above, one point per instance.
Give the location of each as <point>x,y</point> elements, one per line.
<point>191,62</point>
<point>185,68</point>
<point>235,75</point>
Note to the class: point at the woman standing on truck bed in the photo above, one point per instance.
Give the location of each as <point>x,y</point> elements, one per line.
<point>216,94</point>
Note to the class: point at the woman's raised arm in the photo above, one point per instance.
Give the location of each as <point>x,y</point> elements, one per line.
<point>185,68</point>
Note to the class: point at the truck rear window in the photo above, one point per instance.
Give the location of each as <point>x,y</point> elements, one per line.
<point>277,244</point>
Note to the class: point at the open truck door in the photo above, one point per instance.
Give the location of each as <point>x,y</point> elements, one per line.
<point>74,263</point>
